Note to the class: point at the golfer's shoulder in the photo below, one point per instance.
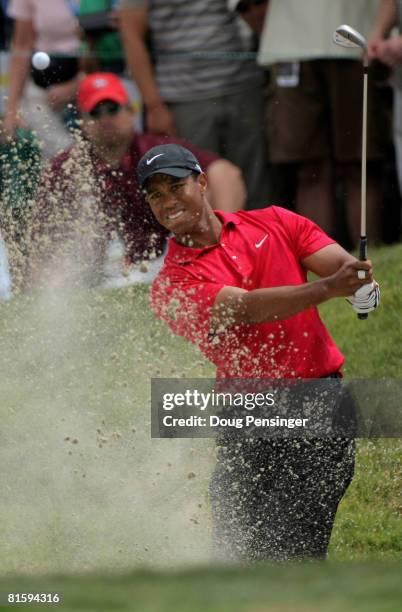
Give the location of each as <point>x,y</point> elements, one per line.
<point>271,215</point>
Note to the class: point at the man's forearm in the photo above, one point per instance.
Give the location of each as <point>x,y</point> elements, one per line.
<point>387,18</point>
<point>272,304</point>
<point>227,190</point>
<point>21,48</point>
<point>234,305</point>
<point>19,67</point>
<point>139,61</point>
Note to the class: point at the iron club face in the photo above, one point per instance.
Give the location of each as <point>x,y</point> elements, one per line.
<point>346,36</point>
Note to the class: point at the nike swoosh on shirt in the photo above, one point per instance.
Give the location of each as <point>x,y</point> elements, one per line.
<point>149,161</point>
<point>259,244</point>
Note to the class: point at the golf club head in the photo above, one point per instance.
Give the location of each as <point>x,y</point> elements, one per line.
<point>346,36</point>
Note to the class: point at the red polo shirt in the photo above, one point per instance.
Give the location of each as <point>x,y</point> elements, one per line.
<point>258,248</point>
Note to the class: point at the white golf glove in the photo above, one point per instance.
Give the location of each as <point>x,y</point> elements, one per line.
<point>365,299</point>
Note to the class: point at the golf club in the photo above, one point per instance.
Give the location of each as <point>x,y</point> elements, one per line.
<point>345,36</point>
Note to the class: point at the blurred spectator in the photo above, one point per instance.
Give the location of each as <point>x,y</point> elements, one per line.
<point>50,26</point>
<point>5,25</point>
<point>5,38</point>
<point>92,189</point>
<point>203,86</point>
<point>314,112</point>
<point>20,163</point>
<point>98,21</point>
<point>103,49</point>
<point>5,280</point>
<point>251,11</point>
<point>389,51</point>
<point>281,176</point>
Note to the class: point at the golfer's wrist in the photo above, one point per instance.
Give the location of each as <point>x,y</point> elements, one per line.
<point>326,288</point>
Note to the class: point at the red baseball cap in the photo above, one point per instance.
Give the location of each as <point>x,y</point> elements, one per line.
<point>100,86</point>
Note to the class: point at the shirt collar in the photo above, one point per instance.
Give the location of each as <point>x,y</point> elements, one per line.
<point>227,218</point>
<point>178,253</point>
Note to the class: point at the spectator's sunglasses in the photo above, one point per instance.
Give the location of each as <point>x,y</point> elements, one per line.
<point>107,107</point>
<point>244,5</point>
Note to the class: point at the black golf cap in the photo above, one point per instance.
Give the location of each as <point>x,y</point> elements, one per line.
<point>170,159</point>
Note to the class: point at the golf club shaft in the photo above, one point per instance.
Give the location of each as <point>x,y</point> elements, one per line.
<point>363,230</point>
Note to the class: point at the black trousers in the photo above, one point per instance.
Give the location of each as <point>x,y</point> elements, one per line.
<point>276,499</point>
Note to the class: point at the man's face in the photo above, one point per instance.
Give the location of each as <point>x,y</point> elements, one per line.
<point>177,203</point>
<point>108,124</point>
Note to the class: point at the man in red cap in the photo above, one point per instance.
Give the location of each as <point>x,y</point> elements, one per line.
<point>101,168</point>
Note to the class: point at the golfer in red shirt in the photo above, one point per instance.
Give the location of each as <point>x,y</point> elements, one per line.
<point>235,284</point>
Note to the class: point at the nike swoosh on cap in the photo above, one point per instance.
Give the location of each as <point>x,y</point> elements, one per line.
<point>149,161</point>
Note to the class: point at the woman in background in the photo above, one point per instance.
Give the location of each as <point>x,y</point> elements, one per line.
<point>40,97</point>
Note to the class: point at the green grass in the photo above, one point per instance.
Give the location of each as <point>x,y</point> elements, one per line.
<point>77,367</point>
<point>371,347</point>
<point>369,522</point>
<point>310,587</point>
